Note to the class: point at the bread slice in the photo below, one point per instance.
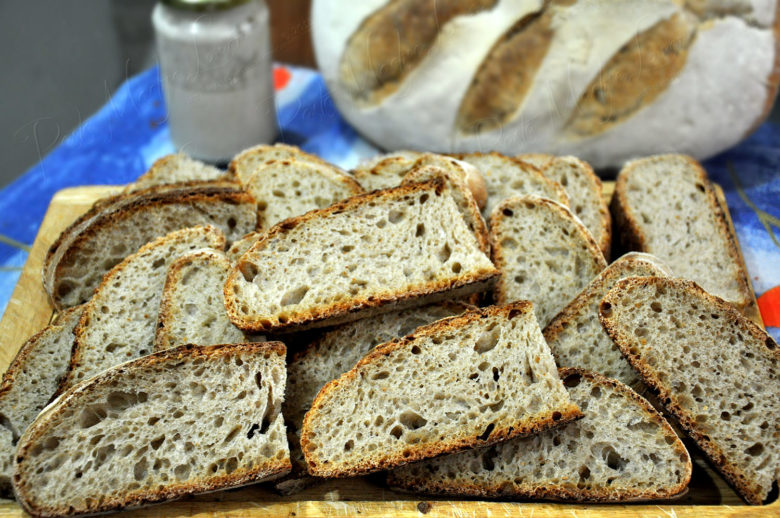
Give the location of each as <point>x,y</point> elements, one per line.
<point>538,160</point>
<point>192,308</point>
<point>370,254</point>
<point>288,188</point>
<point>29,384</point>
<point>333,354</point>
<point>240,247</point>
<point>111,231</point>
<point>715,371</point>
<point>472,380</point>
<point>183,421</point>
<point>118,324</point>
<point>584,190</point>
<point>622,450</point>
<point>385,171</point>
<point>246,163</point>
<point>175,169</point>
<point>575,335</point>
<point>544,252</point>
<point>666,206</point>
<point>506,177</point>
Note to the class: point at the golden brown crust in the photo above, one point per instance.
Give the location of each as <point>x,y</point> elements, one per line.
<point>452,445</point>
<point>733,474</point>
<point>84,322</point>
<point>499,292</point>
<point>69,242</point>
<point>356,308</point>
<point>633,238</point>
<point>139,498</point>
<point>561,492</point>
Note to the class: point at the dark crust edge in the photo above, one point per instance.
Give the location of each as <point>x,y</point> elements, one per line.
<point>105,214</point>
<point>735,476</point>
<point>78,332</point>
<point>572,310</point>
<point>538,423</point>
<point>499,292</point>
<point>559,492</point>
<point>141,498</point>
<point>527,167</point>
<point>632,237</point>
<point>172,279</point>
<point>353,309</point>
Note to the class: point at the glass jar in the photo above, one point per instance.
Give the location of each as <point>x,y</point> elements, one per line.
<point>215,60</point>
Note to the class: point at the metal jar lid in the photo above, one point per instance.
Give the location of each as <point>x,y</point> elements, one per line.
<point>204,5</point>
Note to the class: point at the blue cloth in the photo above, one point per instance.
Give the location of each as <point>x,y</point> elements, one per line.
<point>123,139</point>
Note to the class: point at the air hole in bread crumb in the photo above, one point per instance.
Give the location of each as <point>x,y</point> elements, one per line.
<point>91,416</point>
<point>397,431</point>
<point>412,420</point>
<point>487,341</point>
<point>572,381</point>
<point>420,230</point>
<point>294,296</point>
<point>456,267</point>
<point>349,445</point>
<point>249,271</point>
<point>556,416</point>
<point>384,374</point>
<point>656,306</point>
<point>508,212</point>
<point>424,198</point>
<point>606,309</point>
<point>139,470</point>
<point>395,216</point>
<point>416,350</point>
<point>613,459</point>
<point>445,253</point>
<point>487,432</point>
<point>755,450</point>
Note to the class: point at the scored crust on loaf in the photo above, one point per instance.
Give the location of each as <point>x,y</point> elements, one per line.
<point>622,450</point>
<point>29,384</point>
<point>584,190</point>
<point>184,421</point>
<point>118,324</point>
<point>506,177</point>
<point>110,231</point>
<point>333,354</point>
<point>373,253</point>
<point>287,188</point>
<point>246,163</point>
<point>714,370</point>
<point>192,309</point>
<point>177,168</point>
<point>575,335</point>
<point>471,380</point>
<point>666,206</point>
<point>545,254</point>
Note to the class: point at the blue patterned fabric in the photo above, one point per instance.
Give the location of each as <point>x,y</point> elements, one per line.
<point>121,141</point>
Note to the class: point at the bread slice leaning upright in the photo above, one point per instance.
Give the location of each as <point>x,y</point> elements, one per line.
<point>545,254</point>
<point>715,371</point>
<point>175,169</point>
<point>118,324</point>
<point>192,309</point>
<point>183,421</point>
<point>622,450</point>
<point>466,381</point>
<point>30,383</point>
<point>665,205</point>
<point>576,337</point>
<point>370,254</point>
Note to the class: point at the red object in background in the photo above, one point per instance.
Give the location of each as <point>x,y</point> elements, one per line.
<point>281,77</point>
<point>769,306</point>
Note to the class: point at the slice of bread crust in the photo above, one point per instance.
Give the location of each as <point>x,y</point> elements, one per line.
<point>178,168</point>
<point>291,187</point>
<point>118,323</point>
<point>713,369</point>
<point>247,162</point>
<point>429,393</point>
<point>192,309</point>
<point>544,252</point>
<point>30,383</point>
<point>665,205</point>
<point>506,177</point>
<point>383,273</point>
<point>589,460</point>
<point>584,190</point>
<point>575,335</point>
<point>78,458</point>
<point>333,354</point>
<point>100,239</point>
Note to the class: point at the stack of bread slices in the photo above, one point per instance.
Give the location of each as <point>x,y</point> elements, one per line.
<point>451,320</point>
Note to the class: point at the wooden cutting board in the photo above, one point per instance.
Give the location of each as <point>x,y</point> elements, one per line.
<point>29,310</point>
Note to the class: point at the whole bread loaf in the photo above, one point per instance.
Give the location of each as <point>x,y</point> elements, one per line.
<point>622,450</point>
<point>114,229</point>
<point>471,380</point>
<point>179,422</point>
<point>119,322</point>
<point>714,370</point>
<point>374,253</point>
